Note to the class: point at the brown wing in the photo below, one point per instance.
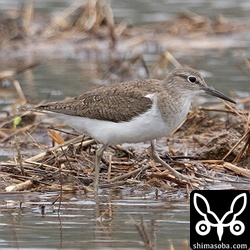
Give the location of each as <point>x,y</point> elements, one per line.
<point>102,105</point>
<point>113,107</point>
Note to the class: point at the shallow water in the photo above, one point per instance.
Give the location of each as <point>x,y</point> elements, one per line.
<point>37,223</point>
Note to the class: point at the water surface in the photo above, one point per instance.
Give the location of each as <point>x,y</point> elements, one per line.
<point>30,220</point>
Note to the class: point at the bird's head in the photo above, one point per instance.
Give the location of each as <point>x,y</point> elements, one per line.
<point>191,83</point>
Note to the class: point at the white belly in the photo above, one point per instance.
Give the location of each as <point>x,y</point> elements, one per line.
<point>145,127</point>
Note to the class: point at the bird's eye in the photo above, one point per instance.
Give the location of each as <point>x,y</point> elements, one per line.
<point>192,79</point>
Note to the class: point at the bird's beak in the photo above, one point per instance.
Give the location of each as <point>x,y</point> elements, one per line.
<point>213,92</point>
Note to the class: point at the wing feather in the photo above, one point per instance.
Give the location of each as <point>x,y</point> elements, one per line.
<point>109,103</point>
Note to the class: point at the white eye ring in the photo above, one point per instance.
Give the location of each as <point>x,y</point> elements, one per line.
<point>192,79</point>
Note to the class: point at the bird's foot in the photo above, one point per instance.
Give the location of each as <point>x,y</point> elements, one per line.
<point>176,174</point>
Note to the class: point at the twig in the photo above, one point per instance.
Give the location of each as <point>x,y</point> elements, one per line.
<point>19,92</point>
<point>74,141</point>
<point>41,164</point>
<point>234,110</point>
<point>126,151</point>
<point>240,112</point>
<point>236,145</point>
<point>19,157</point>
<point>244,149</point>
<point>125,176</point>
<point>109,167</point>
<point>17,131</point>
<point>21,186</point>
<point>237,170</point>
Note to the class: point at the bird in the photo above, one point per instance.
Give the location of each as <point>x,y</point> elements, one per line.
<point>133,111</point>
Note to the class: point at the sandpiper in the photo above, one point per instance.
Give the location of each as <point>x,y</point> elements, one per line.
<point>134,111</point>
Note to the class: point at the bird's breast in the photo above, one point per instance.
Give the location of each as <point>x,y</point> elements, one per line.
<point>173,111</point>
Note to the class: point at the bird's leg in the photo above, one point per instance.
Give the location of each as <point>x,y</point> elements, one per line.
<point>99,154</point>
<point>163,163</point>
